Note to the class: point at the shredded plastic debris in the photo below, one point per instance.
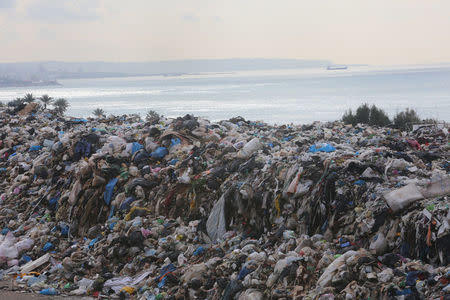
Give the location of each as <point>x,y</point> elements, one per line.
<point>190,209</point>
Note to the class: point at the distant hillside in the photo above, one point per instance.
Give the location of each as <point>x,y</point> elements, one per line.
<point>58,70</point>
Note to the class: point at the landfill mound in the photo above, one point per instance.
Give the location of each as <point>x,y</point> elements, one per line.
<point>186,208</point>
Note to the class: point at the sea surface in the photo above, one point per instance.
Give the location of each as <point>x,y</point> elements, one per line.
<point>274,96</point>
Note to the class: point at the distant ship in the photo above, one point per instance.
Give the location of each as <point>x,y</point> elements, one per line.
<point>337,67</point>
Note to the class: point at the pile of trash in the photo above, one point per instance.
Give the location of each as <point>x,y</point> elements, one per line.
<point>186,208</point>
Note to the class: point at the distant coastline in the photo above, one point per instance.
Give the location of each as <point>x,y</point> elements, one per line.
<point>281,96</point>
<point>26,83</point>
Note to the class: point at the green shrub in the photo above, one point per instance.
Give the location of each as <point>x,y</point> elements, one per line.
<point>378,117</point>
<point>430,121</point>
<point>363,114</point>
<point>349,118</point>
<point>366,115</point>
<point>405,119</point>
<point>16,102</point>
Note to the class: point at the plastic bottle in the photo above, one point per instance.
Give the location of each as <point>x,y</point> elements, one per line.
<point>47,247</point>
<point>249,148</point>
<point>48,143</point>
<point>403,197</point>
<point>36,280</point>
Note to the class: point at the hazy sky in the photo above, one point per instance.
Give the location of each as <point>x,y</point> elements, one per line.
<point>345,31</point>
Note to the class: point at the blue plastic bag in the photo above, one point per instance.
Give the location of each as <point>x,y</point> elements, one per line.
<point>411,278</point>
<point>47,247</point>
<point>50,291</point>
<point>127,203</point>
<point>347,244</point>
<point>64,230</point>
<point>199,251</point>
<point>174,142</point>
<point>407,291</point>
<point>109,189</point>
<point>244,272</point>
<point>159,153</point>
<point>80,120</point>
<point>163,272</point>
<point>92,242</point>
<point>35,148</point>
<point>325,148</point>
<point>53,202</point>
<point>173,162</point>
<point>136,147</point>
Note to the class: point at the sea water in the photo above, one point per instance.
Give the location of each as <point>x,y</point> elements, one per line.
<point>274,96</point>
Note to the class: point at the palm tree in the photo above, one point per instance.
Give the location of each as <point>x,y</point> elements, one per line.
<point>152,117</point>
<point>98,112</point>
<point>29,98</point>
<point>61,105</point>
<point>46,99</point>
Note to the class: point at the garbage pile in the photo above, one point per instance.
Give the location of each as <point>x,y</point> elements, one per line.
<point>186,208</point>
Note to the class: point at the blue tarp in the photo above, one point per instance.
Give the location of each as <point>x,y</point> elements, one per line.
<point>79,120</point>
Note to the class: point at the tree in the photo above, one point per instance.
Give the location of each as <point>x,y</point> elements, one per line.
<point>349,118</point>
<point>61,105</point>
<point>29,98</point>
<point>152,117</point>
<point>378,117</point>
<point>16,102</point>
<point>366,115</point>
<point>98,112</point>
<point>363,114</point>
<point>405,119</point>
<point>46,100</point>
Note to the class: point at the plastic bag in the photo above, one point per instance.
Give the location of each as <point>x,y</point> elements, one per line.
<point>216,226</point>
